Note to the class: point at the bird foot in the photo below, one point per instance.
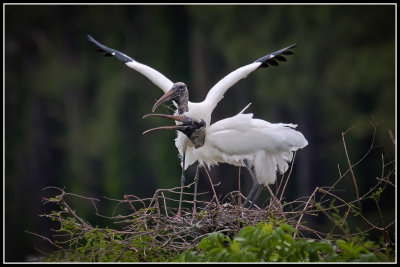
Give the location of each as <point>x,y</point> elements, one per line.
<point>194,209</point>
<point>194,214</point>
<point>177,217</point>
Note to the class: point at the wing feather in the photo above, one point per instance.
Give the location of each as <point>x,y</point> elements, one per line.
<point>153,75</point>
<point>217,92</point>
<point>241,135</point>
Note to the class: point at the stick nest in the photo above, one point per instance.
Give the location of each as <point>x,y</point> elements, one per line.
<point>151,223</point>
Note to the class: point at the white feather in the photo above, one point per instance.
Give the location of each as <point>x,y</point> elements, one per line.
<point>217,92</point>
<point>268,147</point>
<point>153,75</point>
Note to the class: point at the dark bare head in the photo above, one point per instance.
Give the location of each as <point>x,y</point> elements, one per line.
<point>179,94</point>
<point>193,129</point>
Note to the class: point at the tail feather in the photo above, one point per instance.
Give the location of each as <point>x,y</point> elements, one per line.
<point>266,165</point>
<point>265,168</point>
<point>282,160</point>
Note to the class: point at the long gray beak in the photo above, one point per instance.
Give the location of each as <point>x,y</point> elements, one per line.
<point>181,118</point>
<point>166,97</point>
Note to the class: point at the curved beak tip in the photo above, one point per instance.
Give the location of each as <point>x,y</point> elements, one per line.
<point>166,97</point>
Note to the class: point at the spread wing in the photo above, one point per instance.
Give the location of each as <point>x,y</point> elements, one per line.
<point>217,92</point>
<point>153,75</point>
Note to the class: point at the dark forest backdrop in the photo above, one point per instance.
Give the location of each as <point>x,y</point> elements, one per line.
<point>73,118</point>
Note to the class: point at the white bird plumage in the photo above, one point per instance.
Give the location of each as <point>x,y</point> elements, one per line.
<point>204,109</point>
<point>200,110</point>
<point>241,140</point>
<point>266,146</point>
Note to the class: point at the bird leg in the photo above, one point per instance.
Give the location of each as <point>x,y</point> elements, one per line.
<point>256,185</point>
<point>178,215</point>
<point>250,198</point>
<point>196,180</point>
<point>257,188</point>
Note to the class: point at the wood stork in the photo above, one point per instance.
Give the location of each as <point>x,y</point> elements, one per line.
<point>201,110</point>
<point>178,93</point>
<point>242,140</point>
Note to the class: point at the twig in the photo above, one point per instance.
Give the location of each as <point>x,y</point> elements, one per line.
<point>45,238</point>
<point>212,185</point>
<point>392,138</point>
<point>287,179</point>
<point>239,197</point>
<point>351,171</point>
<point>361,216</point>
<point>305,207</point>
<point>165,204</point>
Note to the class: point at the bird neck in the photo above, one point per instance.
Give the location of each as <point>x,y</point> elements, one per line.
<point>198,137</point>
<point>183,104</point>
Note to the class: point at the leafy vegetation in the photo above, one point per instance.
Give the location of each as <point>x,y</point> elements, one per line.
<point>267,242</point>
<point>221,232</point>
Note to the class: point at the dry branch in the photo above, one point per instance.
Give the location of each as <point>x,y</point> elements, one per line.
<point>149,226</point>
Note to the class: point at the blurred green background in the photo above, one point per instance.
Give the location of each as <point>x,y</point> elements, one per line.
<point>73,118</point>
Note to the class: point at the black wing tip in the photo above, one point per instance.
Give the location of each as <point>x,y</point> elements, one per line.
<point>109,51</point>
<point>272,58</point>
<point>90,38</point>
<point>286,51</point>
<point>95,42</point>
<point>100,47</point>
